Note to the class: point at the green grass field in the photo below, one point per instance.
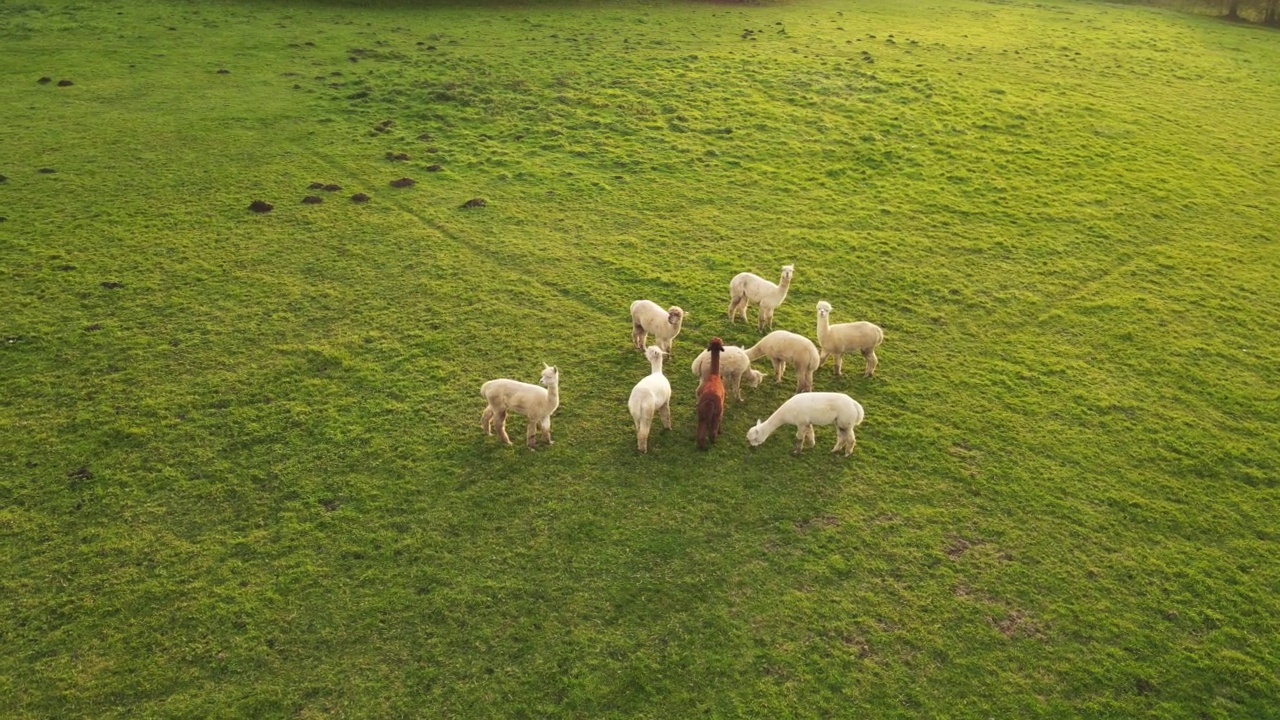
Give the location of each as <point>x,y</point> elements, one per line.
<point>241,466</point>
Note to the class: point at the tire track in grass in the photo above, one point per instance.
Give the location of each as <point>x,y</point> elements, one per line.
<point>523,272</point>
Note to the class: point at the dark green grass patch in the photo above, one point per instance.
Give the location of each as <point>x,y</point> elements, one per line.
<point>241,467</point>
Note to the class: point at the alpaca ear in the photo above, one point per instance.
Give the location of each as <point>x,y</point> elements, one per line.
<point>757,422</point>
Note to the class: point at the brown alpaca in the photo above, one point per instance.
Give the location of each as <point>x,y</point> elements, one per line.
<point>711,398</point>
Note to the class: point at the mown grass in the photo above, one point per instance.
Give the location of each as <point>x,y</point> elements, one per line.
<point>250,481</point>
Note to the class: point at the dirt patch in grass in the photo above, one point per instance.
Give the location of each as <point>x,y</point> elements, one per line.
<point>474,203</point>
<point>403,182</point>
<point>65,83</point>
<point>397,156</point>
<point>434,168</point>
<point>111,285</point>
<point>316,186</point>
<point>957,546</point>
<point>46,171</point>
<point>360,198</point>
<point>93,328</point>
<point>1017,624</point>
<point>821,521</point>
<point>45,80</point>
<point>312,200</point>
<point>261,206</point>
<point>331,188</point>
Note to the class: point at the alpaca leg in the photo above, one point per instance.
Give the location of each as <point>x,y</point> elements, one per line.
<point>546,430</point>
<point>737,387</point>
<point>665,412</point>
<point>777,369</point>
<point>839,364</point>
<point>500,419</point>
<point>715,425</point>
<point>872,361</point>
<point>802,433</point>
<point>746,305</point>
<point>531,434</point>
<point>840,437</point>
<point>849,442</point>
<point>804,379</point>
<point>642,434</point>
<point>733,308</point>
<point>486,420</point>
<point>809,436</point>
<point>638,336</point>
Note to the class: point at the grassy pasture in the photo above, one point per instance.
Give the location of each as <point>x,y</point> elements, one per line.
<point>249,480</point>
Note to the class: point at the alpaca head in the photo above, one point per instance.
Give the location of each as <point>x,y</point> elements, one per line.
<point>716,345</point>
<point>653,353</point>
<point>675,315</point>
<point>550,375</point>
<point>824,308</point>
<point>754,377</point>
<point>787,270</point>
<point>755,435</point>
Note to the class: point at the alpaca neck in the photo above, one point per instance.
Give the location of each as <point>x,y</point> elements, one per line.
<point>822,326</point>
<point>655,366</point>
<point>773,423</point>
<point>715,362</point>
<point>782,288</point>
<point>767,427</point>
<point>553,394</point>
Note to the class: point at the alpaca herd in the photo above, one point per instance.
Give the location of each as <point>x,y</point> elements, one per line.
<point>719,367</point>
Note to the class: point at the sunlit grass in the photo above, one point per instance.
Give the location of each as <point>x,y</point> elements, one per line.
<point>247,477</point>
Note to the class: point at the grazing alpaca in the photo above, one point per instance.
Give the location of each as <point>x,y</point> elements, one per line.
<point>536,403</point>
<point>809,409</point>
<point>651,394</point>
<point>836,340</point>
<point>734,366</point>
<point>746,288</point>
<point>711,398</point>
<point>649,317</point>
<point>782,347</point>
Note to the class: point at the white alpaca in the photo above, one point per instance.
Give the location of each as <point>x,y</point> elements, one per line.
<point>651,394</point>
<point>536,403</point>
<point>836,340</point>
<point>734,365</point>
<point>782,347</point>
<point>649,317</point>
<point>805,411</point>
<point>746,288</point>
